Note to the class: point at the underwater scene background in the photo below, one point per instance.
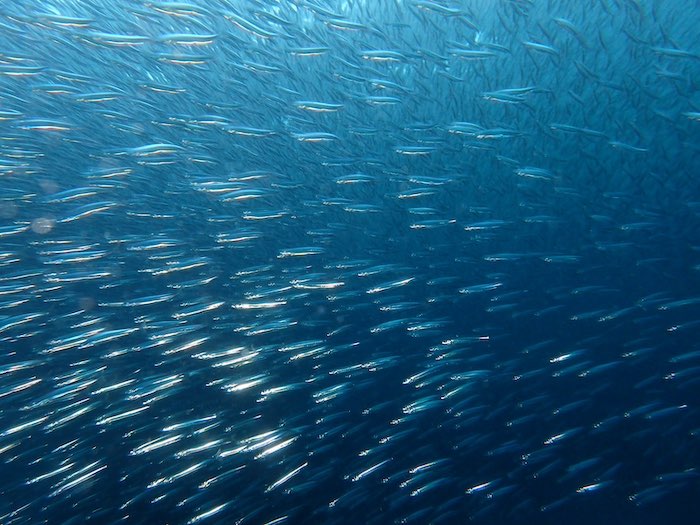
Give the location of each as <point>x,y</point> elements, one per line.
<point>385,262</point>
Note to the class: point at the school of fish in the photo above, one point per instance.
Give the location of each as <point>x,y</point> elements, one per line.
<point>316,261</point>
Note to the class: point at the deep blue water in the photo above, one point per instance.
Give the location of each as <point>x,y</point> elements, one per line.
<point>349,262</point>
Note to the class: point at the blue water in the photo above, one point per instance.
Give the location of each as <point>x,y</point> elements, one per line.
<point>349,262</point>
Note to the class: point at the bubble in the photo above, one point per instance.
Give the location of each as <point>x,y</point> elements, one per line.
<point>49,186</point>
<point>43,225</point>
<point>8,210</point>
<point>87,303</point>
